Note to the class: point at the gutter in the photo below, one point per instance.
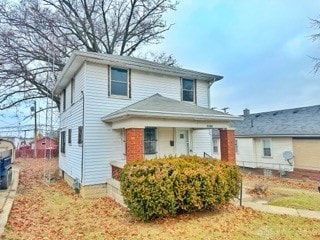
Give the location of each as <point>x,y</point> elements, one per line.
<point>81,179</point>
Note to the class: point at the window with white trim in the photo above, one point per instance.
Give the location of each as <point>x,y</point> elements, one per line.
<point>80,134</point>
<point>69,135</point>
<point>119,82</point>
<point>150,140</point>
<point>63,141</point>
<point>64,97</point>
<point>188,90</point>
<point>215,145</point>
<point>266,147</point>
<point>236,147</point>
<point>72,90</point>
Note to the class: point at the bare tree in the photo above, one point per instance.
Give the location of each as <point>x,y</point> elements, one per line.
<point>39,34</point>
<point>315,23</point>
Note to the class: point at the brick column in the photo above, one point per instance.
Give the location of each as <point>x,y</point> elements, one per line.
<point>134,144</point>
<point>227,145</point>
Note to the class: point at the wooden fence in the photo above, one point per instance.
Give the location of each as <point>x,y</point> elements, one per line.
<point>41,153</point>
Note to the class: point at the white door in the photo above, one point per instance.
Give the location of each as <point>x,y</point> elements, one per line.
<point>182,140</point>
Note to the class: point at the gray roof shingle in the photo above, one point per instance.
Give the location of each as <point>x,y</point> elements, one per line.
<point>297,122</point>
<point>159,106</point>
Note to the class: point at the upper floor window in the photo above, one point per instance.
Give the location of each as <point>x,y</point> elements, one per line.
<point>119,82</point>
<point>266,147</point>
<point>150,140</point>
<point>72,90</point>
<point>188,90</point>
<point>64,100</point>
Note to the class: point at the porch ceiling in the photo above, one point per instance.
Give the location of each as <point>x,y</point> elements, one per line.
<point>159,111</point>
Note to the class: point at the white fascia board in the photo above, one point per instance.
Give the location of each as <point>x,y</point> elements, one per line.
<point>139,122</point>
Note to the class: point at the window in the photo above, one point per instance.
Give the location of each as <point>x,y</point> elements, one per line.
<point>72,90</point>
<point>119,82</point>
<point>63,142</point>
<point>215,144</point>
<point>188,90</point>
<point>266,146</point>
<point>150,140</point>
<point>69,135</point>
<point>80,134</point>
<point>236,145</point>
<point>64,100</point>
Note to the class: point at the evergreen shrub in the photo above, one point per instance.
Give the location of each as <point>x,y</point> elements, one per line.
<point>166,186</point>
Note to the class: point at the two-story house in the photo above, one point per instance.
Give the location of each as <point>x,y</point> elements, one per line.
<point>120,108</point>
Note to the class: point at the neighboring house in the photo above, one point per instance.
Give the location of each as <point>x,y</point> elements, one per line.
<point>116,109</point>
<point>44,143</point>
<point>262,139</point>
<point>44,146</point>
<point>6,145</point>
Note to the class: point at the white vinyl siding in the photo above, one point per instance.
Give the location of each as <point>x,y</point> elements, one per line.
<point>245,157</point>
<point>71,119</point>
<point>145,84</point>
<point>201,142</point>
<point>165,135</point>
<point>276,161</point>
<point>202,94</point>
<point>101,143</point>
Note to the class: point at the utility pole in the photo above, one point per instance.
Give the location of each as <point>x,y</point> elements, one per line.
<point>34,109</point>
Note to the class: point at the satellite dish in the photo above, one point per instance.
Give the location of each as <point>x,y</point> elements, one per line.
<point>287,155</point>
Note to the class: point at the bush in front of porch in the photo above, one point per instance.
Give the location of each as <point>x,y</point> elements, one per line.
<point>171,185</point>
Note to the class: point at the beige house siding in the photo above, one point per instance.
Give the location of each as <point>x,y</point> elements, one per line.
<point>307,153</point>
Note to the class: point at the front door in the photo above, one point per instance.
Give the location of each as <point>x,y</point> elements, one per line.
<point>182,140</point>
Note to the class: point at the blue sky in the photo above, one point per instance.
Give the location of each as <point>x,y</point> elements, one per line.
<point>261,48</point>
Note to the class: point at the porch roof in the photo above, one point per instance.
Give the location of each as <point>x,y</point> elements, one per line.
<point>158,106</point>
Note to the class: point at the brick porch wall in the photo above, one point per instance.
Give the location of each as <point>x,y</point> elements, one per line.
<point>134,144</point>
<point>227,146</point>
<point>116,172</point>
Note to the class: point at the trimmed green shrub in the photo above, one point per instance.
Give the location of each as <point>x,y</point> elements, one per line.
<point>170,185</point>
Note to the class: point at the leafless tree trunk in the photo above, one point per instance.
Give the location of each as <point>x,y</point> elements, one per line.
<point>36,35</point>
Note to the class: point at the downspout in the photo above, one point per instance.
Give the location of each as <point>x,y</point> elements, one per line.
<point>209,106</point>
<point>209,86</point>
<point>81,180</point>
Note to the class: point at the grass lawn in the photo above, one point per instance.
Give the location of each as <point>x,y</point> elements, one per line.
<point>294,198</point>
<point>300,194</point>
<point>54,212</point>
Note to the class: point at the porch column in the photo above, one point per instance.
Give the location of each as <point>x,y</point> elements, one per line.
<point>134,144</point>
<point>227,145</point>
